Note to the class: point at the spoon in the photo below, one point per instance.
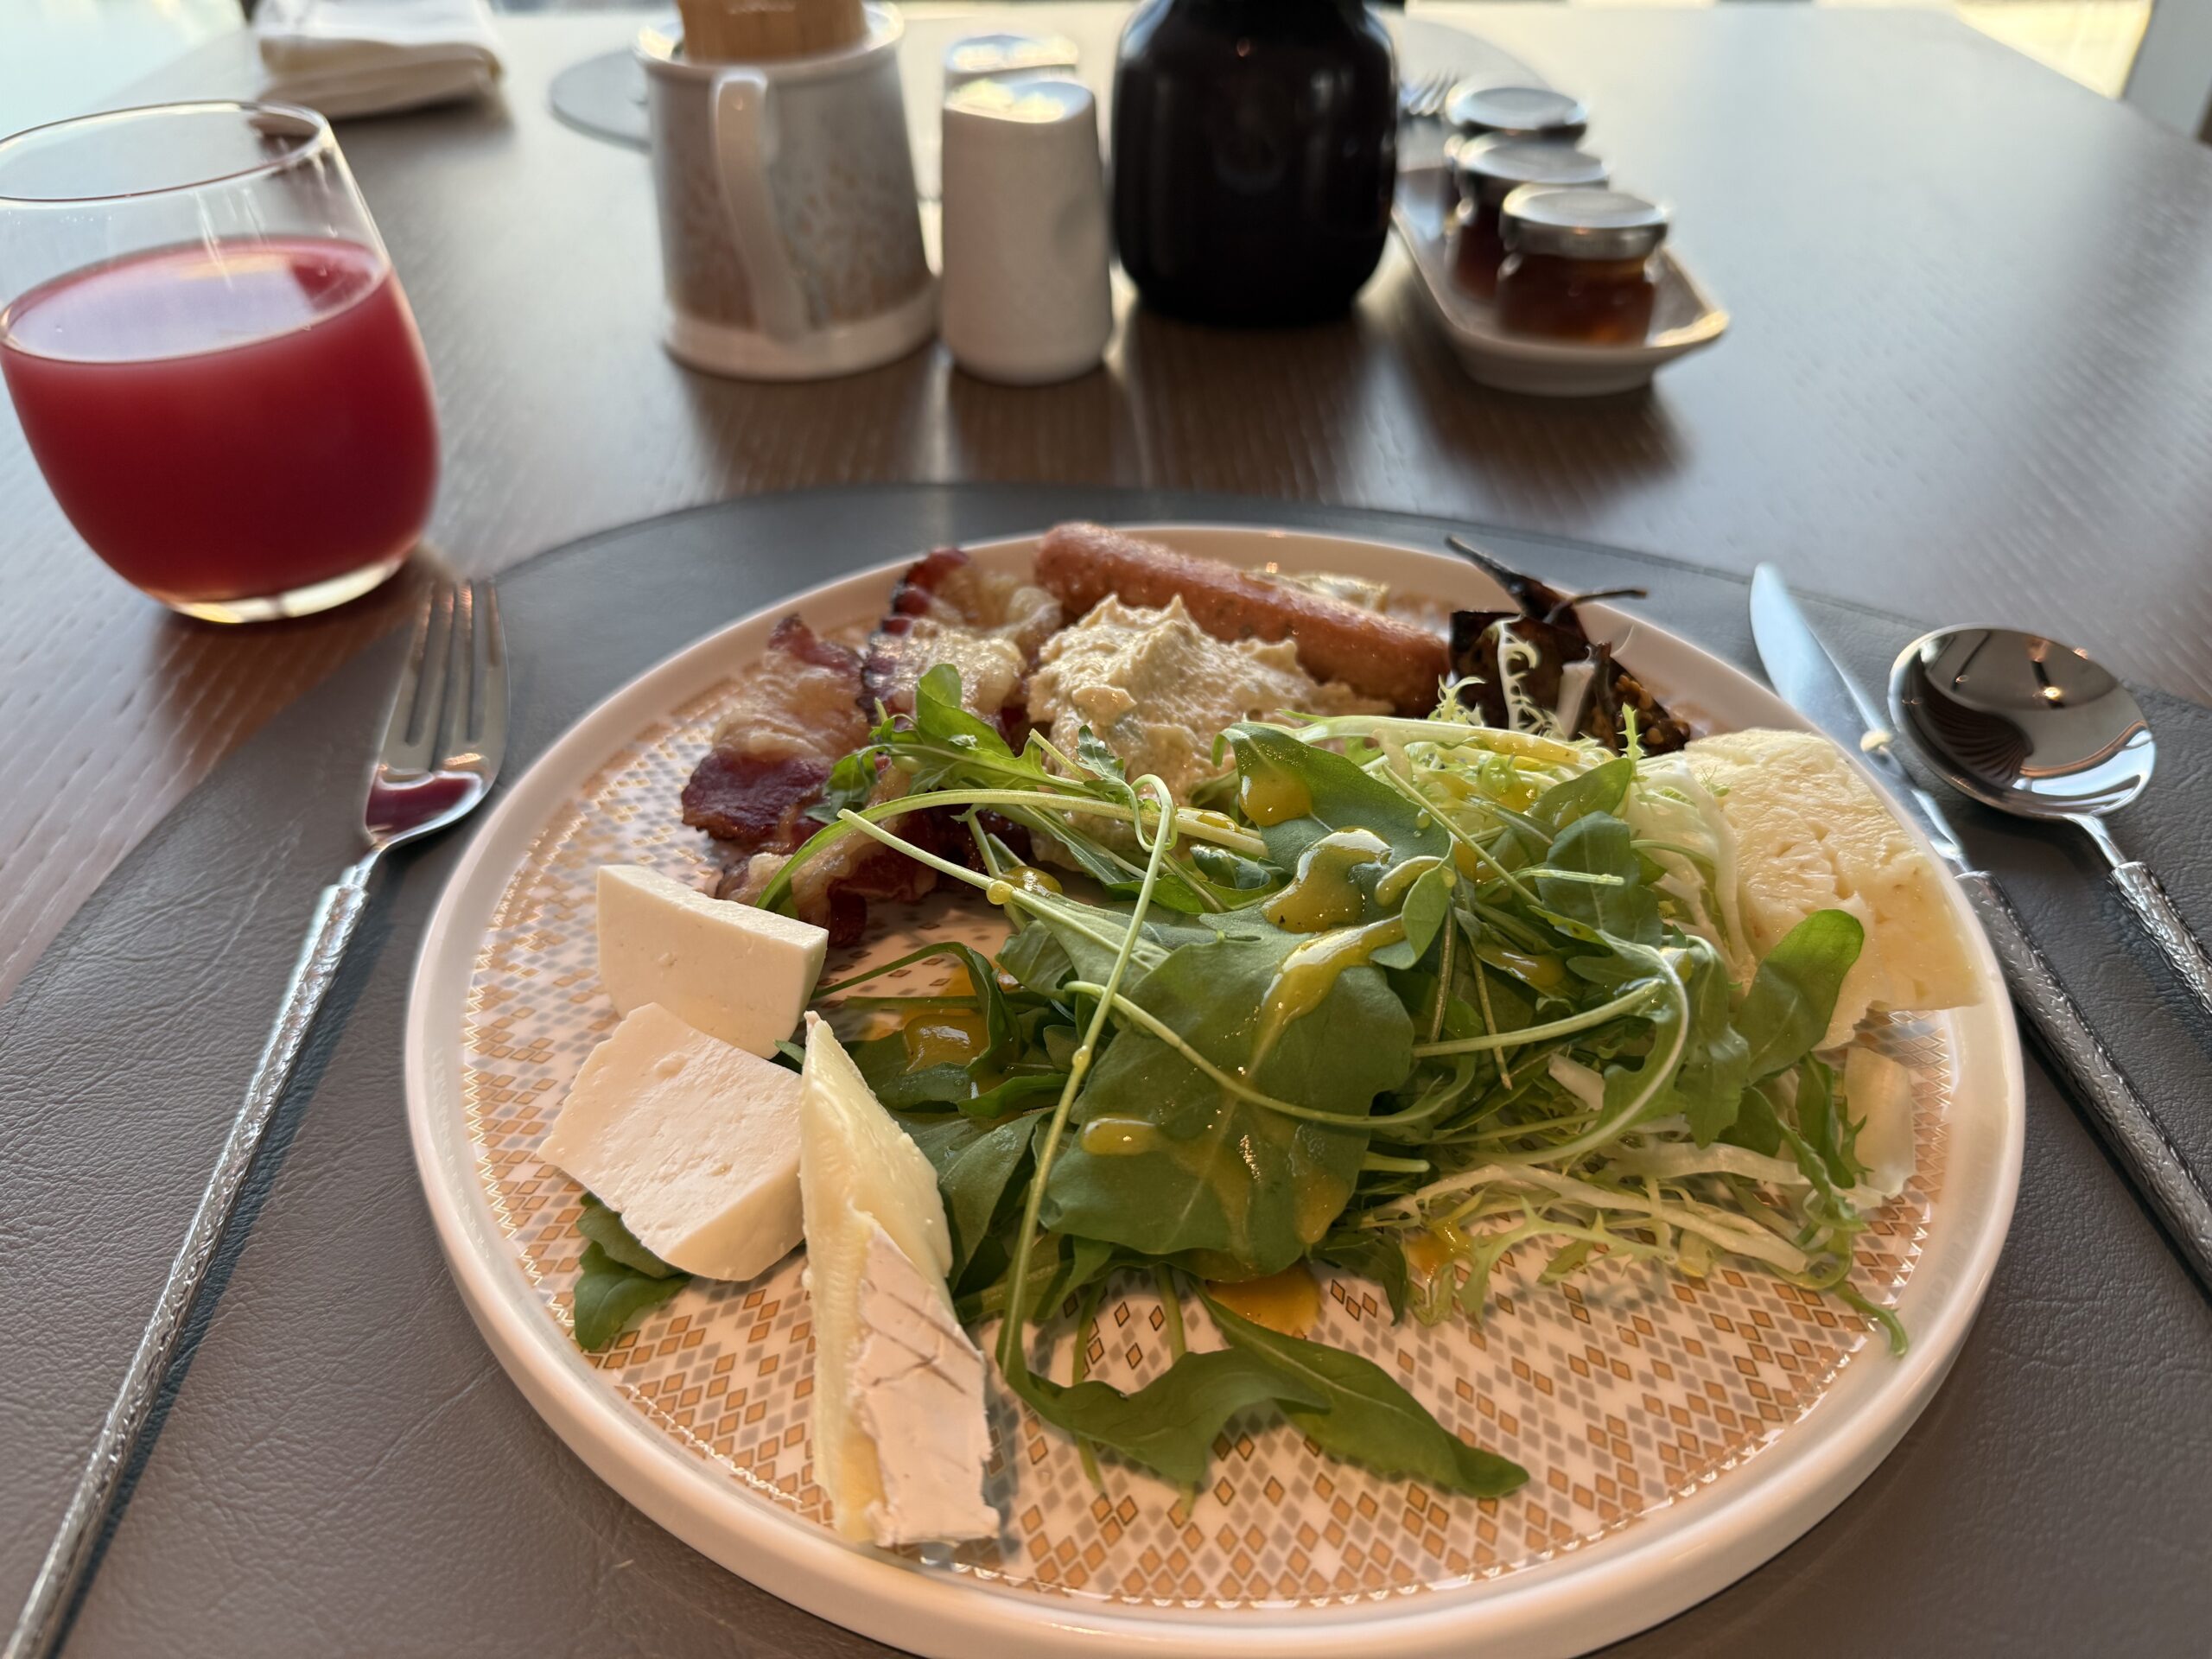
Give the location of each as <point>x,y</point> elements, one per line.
<point>2039,730</point>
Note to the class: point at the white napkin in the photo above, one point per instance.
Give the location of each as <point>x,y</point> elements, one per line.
<point>360,57</point>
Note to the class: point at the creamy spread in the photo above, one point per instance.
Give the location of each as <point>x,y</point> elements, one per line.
<point>1157,689</point>
<point>991,663</point>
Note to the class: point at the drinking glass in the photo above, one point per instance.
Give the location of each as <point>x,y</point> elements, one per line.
<point>210,356</point>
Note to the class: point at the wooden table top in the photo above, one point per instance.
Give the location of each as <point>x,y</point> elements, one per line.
<point>1966,378</point>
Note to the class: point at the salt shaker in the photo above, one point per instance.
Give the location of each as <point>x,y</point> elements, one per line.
<point>1026,295</point>
<point>979,57</point>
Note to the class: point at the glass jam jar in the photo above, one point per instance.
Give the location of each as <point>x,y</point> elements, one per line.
<point>1479,112</point>
<point>1516,112</point>
<point>1487,171</point>
<point>1577,265</point>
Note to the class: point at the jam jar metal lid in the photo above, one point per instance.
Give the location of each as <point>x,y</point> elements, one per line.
<point>1490,167</point>
<point>1581,223</point>
<point>1515,112</point>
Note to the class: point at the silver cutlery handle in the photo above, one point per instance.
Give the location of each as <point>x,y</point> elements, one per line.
<point>2097,1081</point>
<point>38,1630</point>
<point>2147,897</point>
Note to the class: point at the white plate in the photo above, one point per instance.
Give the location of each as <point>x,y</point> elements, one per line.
<point>1677,1436</point>
<point>1684,317</point>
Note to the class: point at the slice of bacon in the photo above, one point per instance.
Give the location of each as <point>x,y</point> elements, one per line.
<point>947,608</point>
<point>834,887</point>
<point>812,702</point>
<point>774,746</point>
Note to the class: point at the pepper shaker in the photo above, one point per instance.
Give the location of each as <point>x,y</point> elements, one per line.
<point>1027,297</point>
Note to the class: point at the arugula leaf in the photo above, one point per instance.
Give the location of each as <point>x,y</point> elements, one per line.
<point>1428,907</point>
<point>1367,1418</point>
<point>1601,789</point>
<point>1062,1268</point>
<point>1371,1255</point>
<point>1036,958</point>
<point>939,714</point>
<point>1198,1170</point>
<point>1092,751</point>
<point>941,1137</point>
<point>852,780</point>
<point>1104,865</point>
<point>1709,1086</point>
<point>1342,797</point>
<point>1599,844</point>
<point>1169,1425</point>
<point>609,1295</point>
<point>1830,1134</point>
<point>1231,870</point>
<point>976,1182</point>
<point>1792,997</point>
<point>1087,1262</point>
<point>602,1227</point>
<point>1756,1128</point>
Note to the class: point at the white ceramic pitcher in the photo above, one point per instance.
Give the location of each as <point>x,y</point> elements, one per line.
<point>790,240</point>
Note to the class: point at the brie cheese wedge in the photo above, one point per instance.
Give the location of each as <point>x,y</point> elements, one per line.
<point>731,971</point>
<point>694,1142</point>
<point>900,1434</point>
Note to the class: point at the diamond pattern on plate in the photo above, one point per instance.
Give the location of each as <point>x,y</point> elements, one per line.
<point>1622,1391</point>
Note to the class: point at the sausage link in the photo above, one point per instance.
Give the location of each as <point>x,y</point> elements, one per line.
<point>1377,656</point>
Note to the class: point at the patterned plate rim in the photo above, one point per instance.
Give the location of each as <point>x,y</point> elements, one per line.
<point>1674,1558</point>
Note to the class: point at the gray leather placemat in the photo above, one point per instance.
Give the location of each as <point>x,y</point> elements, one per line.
<point>346,1469</point>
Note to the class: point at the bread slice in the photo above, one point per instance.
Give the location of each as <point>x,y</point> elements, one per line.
<point>1810,835</point>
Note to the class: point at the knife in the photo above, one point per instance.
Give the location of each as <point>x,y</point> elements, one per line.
<point>1810,680</point>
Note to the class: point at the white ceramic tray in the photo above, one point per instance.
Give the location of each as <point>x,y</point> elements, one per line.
<point>1685,320</point>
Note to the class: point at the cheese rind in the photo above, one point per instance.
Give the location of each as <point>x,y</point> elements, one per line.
<point>918,1394</point>
<point>733,971</point>
<point>694,1142</point>
<point>868,1189</point>
<point>1810,835</point>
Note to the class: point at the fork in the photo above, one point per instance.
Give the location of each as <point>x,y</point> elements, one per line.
<point>1423,97</point>
<point>442,741</point>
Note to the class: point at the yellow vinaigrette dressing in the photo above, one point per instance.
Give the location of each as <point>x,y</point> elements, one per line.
<point>1431,1251</point>
<point>1544,973</point>
<point>1308,974</point>
<point>1288,1302</point>
<point>946,1036</point>
<point>1322,895</point>
<point>1270,797</point>
<point>1391,887</point>
<point>1120,1137</point>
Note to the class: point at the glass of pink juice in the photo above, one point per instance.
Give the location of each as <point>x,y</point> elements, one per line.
<point>211,357</point>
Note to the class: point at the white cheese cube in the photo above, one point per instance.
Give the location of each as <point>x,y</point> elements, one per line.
<point>899,1435</point>
<point>695,1142</point>
<point>735,972</point>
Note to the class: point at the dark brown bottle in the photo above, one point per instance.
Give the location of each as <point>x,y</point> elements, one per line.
<point>1255,155</point>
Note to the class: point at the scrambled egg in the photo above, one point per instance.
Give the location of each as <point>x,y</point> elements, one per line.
<point>1157,689</point>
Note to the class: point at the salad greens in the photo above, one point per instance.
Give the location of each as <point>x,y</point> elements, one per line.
<point>619,1279</point>
<point>1409,995</point>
